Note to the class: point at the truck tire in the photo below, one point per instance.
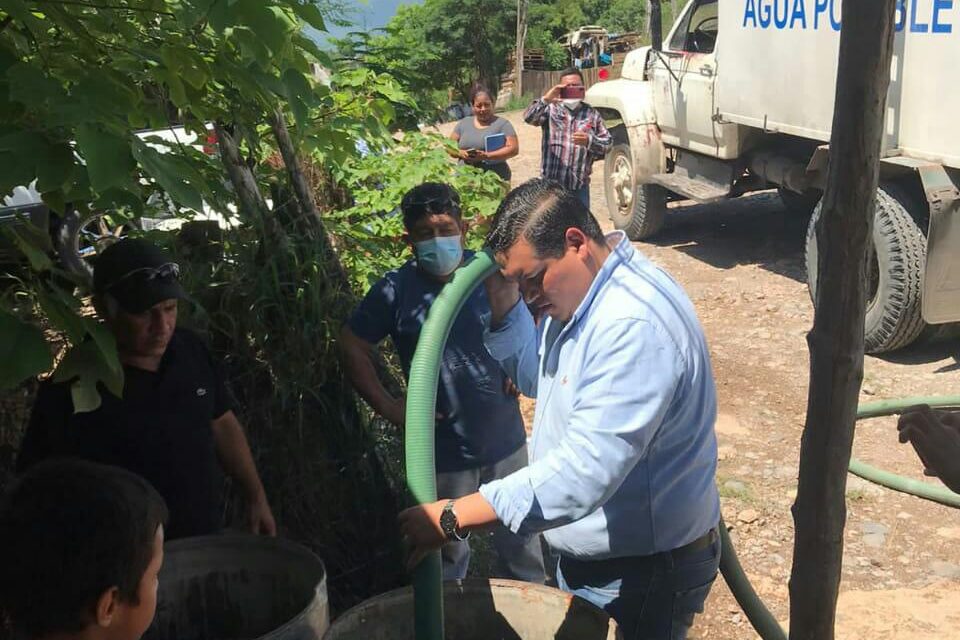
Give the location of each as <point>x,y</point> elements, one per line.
<point>637,209</point>
<point>799,203</point>
<point>77,241</point>
<point>894,272</point>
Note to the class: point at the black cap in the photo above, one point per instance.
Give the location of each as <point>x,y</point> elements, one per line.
<point>137,274</point>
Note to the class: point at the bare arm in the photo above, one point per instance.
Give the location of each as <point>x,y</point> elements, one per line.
<point>461,153</point>
<point>358,361</point>
<point>234,454</point>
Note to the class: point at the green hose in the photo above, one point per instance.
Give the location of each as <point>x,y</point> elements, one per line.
<point>421,426</point>
<point>421,478</point>
<point>935,493</point>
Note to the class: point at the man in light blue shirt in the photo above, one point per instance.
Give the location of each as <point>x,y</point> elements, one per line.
<point>623,456</point>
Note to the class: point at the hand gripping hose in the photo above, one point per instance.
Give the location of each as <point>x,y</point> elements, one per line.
<point>421,477</point>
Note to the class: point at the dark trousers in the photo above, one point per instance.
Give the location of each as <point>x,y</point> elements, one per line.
<point>651,597</point>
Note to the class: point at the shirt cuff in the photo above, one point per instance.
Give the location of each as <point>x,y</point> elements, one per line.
<point>502,341</point>
<point>512,498</point>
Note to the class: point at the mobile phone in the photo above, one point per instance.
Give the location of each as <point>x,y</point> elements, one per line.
<point>472,153</point>
<point>573,92</point>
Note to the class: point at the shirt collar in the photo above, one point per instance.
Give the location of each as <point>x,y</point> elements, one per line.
<point>621,252</point>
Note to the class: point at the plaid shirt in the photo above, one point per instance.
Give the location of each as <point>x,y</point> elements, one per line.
<point>562,160</point>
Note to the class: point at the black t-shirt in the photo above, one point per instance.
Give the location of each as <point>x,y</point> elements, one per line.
<point>160,429</point>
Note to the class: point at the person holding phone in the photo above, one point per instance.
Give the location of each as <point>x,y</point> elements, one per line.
<point>486,140</point>
<point>574,135</point>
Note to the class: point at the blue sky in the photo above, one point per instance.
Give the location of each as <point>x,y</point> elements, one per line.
<point>375,13</point>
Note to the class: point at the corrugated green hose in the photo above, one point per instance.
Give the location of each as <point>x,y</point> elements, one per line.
<point>421,477</point>
<point>421,427</point>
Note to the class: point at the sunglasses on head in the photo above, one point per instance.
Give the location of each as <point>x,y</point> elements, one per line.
<point>170,270</point>
<point>441,204</point>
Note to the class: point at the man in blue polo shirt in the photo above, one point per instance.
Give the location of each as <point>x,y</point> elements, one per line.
<point>479,433</point>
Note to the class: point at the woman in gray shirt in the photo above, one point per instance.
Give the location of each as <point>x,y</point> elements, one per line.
<point>471,135</point>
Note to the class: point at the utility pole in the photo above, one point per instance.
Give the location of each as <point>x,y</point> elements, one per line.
<point>656,24</point>
<point>836,340</point>
<point>521,41</point>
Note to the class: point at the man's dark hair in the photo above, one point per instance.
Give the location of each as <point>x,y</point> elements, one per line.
<point>540,211</point>
<point>69,531</point>
<point>429,198</point>
<point>477,90</point>
<point>572,71</point>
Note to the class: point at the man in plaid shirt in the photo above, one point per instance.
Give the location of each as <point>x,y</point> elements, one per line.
<point>573,135</point>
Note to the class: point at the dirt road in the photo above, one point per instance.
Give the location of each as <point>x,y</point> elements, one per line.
<point>741,262</point>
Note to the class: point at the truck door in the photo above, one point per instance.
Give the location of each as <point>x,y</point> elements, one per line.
<point>684,80</point>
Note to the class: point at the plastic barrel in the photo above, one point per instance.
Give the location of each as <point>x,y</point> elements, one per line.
<point>240,587</point>
<point>481,610</point>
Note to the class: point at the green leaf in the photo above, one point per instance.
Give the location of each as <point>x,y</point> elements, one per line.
<point>187,64</point>
<point>62,315</point>
<point>23,351</point>
<point>168,171</point>
<point>56,201</point>
<point>310,13</point>
<point>108,158</point>
<point>311,47</point>
<point>54,167</point>
<point>30,86</point>
<point>85,365</point>
<point>299,94</point>
<point>34,243</point>
<point>85,396</point>
<point>271,25</point>
<point>106,343</point>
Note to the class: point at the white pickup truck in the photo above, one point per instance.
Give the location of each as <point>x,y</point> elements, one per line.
<point>740,99</point>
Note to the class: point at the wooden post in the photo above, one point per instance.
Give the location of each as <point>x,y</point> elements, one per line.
<point>836,340</point>
<point>521,43</point>
<point>656,25</point>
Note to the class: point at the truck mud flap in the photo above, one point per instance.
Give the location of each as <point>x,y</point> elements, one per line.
<point>941,279</point>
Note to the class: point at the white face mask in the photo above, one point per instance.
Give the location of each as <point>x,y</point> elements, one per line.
<point>571,103</point>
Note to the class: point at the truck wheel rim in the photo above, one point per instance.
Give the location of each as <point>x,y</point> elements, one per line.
<point>623,183</point>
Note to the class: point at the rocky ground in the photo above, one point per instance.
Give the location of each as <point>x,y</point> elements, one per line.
<point>741,262</point>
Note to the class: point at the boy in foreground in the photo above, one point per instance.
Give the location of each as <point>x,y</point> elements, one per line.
<point>81,545</point>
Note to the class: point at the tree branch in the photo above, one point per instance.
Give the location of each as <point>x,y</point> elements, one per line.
<point>304,195</point>
<point>115,7</point>
<point>836,340</point>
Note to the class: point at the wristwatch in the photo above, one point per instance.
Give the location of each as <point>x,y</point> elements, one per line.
<point>449,523</point>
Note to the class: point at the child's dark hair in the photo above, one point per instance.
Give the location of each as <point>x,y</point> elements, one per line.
<point>69,531</point>
<point>429,198</point>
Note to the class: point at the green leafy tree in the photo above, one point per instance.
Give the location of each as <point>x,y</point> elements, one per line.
<point>78,78</point>
<point>622,16</point>
<point>440,45</point>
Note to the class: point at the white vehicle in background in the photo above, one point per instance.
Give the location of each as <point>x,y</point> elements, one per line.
<point>76,241</point>
<point>740,98</point>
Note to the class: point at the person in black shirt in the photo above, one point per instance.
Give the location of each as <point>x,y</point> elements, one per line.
<point>174,420</point>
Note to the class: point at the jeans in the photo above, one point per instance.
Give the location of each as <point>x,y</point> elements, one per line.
<point>652,597</point>
<point>518,557</point>
<point>583,194</point>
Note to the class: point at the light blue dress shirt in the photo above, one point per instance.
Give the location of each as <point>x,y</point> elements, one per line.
<point>623,454</point>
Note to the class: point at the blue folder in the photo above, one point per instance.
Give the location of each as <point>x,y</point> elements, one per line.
<point>494,141</point>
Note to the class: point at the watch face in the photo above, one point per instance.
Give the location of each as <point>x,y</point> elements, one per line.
<point>448,521</point>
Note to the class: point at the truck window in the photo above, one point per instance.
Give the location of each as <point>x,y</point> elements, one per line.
<point>697,31</point>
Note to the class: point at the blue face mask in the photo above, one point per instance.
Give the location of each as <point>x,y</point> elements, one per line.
<point>439,256</point>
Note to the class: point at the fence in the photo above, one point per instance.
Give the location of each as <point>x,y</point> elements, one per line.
<point>537,83</point>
